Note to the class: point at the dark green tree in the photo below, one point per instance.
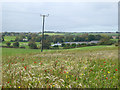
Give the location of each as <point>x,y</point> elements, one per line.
<point>16,44</point>
<point>8,44</point>
<point>46,44</point>
<point>32,45</point>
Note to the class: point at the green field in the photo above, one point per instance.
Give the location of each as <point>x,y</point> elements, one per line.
<point>114,39</point>
<point>86,67</point>
<point>9,38</point>
<point>25,44</point>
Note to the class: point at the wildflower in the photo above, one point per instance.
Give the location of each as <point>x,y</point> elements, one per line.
<point>66,87</point>
<point>66,76</point>
<point>64,71</point>
<point>23,59</point>
<point>53,85</point>
<point>25,67</point>
<point>19,87</point>
<point>56,61</point>
<point>76,78</point>
<point>85,67</point>
<point>34,62</point>
<point>60,72</point>
<point>82,74</point>
<point>8,82</point>
<point>39,81</point>
<point>67,72</point>
<point>113,76</point>
<point>108,72</point>
<point>72,75</point>
<point>116,69</point>
<point>106,77</point>
<point>104,62</point>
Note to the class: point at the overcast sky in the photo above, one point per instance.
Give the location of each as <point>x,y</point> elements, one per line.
<point>64,16</point>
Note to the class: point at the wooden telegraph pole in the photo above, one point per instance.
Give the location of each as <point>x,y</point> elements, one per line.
<point>43,30</point>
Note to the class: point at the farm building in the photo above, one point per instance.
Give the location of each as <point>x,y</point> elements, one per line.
<point>82,42</point>
<point>25,39</point>
<point>59,44</point>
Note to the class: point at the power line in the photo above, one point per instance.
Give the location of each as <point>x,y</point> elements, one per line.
<point>43,29</point>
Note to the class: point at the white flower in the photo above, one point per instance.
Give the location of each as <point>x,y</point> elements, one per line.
<point>80,85</point>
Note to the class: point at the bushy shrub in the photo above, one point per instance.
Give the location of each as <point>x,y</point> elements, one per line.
<point>32,45</point>
<point>93,44</point>
<point>66,46</point>
<point>16,44</point>
<point>62,45</point>
<point>83,44</point>
<point>73,45</point>
<point>116,44</point>
<point>11,40</point>
<point>78,45</point>
<point>8,44</point>
<point>46,44</point>
<point>109,42</point>
<point>22,47</point>
<point>56,47</point>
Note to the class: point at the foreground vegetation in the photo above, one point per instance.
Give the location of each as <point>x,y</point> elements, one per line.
<point>86,67</point>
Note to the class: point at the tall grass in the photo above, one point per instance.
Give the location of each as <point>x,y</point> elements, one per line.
<point>93,67</point>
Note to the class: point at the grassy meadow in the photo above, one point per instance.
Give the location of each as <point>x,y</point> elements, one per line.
<point>86,67</point>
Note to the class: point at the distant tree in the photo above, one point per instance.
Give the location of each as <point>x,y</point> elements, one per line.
<point>73,45</point>
<point>46,44</point>
<point>58,38</point>
<point>17,38</point>
<point>32,45</point>
<point>93,44</point>
<point>8,44</point>
<point>91,37</point>
<point>105,40</point>
<point>78,45</point>
<point>66,46</point>
<point>69,38</point>
<point>29,37</point>
<point>3,38</point>
<point>62,45</point>
<point>38,38</point>
<point>98,37</point>
<point>83,44</point>
<point>16,44</point>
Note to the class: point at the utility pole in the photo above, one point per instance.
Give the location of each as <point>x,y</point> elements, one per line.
<point>43,30</point>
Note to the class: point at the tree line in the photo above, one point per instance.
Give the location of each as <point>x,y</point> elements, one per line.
<point>48,39</point>
<point>60,38</point>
